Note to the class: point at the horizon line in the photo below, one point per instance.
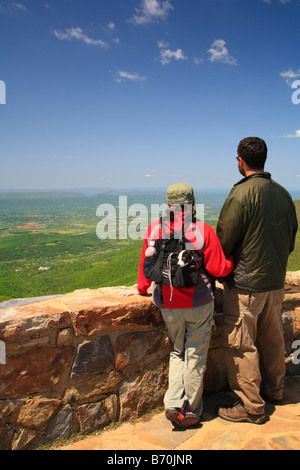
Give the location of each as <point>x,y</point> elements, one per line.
<point>110,188</point>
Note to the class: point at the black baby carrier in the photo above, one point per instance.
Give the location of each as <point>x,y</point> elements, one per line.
<point>162,266</point>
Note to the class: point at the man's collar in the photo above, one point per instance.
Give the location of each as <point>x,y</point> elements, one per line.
<point>260,174</point>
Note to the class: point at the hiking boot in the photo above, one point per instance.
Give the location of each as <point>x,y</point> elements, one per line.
<point>190,418</point>
<point>182,417</point>
<point>238,414</point>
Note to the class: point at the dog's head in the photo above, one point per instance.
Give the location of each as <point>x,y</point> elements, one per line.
<point>184,258</point>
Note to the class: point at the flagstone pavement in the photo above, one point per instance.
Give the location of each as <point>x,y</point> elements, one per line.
<point>280,432</point>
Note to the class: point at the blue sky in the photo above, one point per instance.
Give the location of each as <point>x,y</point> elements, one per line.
<point>145,93</point>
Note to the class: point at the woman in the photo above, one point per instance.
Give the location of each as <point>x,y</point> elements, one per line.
<point>187,311</point>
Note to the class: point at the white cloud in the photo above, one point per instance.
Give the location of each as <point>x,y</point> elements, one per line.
<point>198,60</point>
<point>292,136</point>
<point>163,44</point>
<point>111,25</point>
<point>219,53</point>
<point>130,76</point>
<point>77,33</point>
<point>151,11</point>
<point>166,55</point>
<point>290,76</point>
<point>19,6</point>
<point>48,7</point>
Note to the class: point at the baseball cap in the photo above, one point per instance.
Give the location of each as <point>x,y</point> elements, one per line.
<point>180,193</point>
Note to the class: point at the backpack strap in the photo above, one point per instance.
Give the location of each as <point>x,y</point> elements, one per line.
<point>161,254</point>
<point>154,230</point>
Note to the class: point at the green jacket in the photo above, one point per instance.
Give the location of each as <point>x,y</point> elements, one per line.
<point>257,226</point>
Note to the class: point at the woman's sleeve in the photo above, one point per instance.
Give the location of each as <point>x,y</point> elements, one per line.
<point>143,283</point>
<point>214,259</point>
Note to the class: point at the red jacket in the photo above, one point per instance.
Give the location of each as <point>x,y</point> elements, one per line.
<point>204,239</point>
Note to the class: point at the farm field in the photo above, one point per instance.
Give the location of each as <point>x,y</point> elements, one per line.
<point>48,245</point>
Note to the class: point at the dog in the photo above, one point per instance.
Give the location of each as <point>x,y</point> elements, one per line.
<point>184,258</point>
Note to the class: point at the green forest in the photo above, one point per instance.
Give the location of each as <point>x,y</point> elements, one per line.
<point>48,243</point>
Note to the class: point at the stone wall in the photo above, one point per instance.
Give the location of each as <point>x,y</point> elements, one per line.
<point>80,361</point>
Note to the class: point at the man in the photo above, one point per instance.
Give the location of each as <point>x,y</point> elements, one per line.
<point>257,226</point>
<point>187,311</point>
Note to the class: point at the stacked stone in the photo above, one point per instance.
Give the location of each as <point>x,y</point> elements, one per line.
<point>77,362</point>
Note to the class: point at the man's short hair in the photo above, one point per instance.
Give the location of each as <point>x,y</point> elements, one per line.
<point>253,151</point>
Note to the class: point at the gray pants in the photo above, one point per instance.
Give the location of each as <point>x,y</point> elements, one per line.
<point>190,331</point>
<point>255,350</point>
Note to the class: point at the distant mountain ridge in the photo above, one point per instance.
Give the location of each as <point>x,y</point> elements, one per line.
<point>17,200</point>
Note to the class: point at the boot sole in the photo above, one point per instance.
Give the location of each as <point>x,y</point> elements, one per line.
<point>180,419</point>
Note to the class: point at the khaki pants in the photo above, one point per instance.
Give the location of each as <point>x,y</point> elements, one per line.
<point>255,350</point>
<point>190,330</point>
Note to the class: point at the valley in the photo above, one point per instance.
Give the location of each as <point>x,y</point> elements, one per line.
<point>49,245</point>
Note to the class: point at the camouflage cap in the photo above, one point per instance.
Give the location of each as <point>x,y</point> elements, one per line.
<point>180,193</point>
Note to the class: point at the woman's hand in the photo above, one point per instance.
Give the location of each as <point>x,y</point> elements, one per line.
<point>130,291</point>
